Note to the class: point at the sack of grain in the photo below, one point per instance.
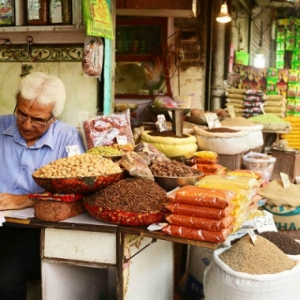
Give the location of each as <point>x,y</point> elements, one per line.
<point>192,281</point>
<point>222,140</point>
<point>223,283</point>
<point>285,217</point>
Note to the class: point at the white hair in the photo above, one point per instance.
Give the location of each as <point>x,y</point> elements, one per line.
<point>43,89</point>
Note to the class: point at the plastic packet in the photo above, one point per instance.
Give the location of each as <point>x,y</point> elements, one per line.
<point>105,130</point>
<point>97,18</point>
<point>93,57</point>
<point>136,166</point>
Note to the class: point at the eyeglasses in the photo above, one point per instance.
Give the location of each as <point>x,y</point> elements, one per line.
<point>34,122</point>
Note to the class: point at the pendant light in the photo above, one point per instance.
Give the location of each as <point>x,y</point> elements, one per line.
<point>224,16</point>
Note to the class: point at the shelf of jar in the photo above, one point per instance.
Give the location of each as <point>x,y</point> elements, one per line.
<point>54,28</point>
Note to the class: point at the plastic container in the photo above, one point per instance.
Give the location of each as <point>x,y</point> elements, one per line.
<point>259,162</point>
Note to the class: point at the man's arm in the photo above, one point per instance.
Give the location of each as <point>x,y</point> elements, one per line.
<point>11,201</point>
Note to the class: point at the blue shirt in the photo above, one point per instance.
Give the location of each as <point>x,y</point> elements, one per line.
<point>18,161</point>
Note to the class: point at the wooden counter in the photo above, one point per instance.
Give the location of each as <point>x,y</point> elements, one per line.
<point>83,256</point>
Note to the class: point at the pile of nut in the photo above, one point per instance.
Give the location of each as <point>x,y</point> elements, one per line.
<point>80,165</point>
<point>173,168</point>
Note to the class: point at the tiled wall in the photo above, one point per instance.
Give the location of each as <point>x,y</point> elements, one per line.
<point>63,61</point>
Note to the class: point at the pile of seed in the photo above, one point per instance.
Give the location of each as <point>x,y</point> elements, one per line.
<point>105,151</point>
<point>262,258</point>
<point>237,121</point>
<point>173,168</point>
<point>130,194</point>
<point>285,243</point>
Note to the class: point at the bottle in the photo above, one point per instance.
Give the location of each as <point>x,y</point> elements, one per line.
<point>37,12</point>
<point>60,12</point>
<point>7,13</point>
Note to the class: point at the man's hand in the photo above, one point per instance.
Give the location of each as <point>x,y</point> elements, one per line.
<point>11,201</point>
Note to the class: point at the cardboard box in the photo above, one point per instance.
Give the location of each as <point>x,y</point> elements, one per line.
<point>286,162</point>
<point>232,162</point>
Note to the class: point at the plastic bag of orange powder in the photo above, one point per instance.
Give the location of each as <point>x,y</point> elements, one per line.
<point>200,223</point>
<point>199,211</point>
<point>198,234</point>
<point>195,195</point>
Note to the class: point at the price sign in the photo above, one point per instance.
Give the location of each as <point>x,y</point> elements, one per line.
<point>252,235</point>
<point>231,111</point>
<point>121,139</point>
<point>72,150</point>
<point>212,120</point>
<point>285,180</point>
<point>265,223</point>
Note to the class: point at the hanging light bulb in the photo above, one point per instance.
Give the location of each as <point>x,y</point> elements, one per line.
<point>224,16</point>
<point>259,59</point>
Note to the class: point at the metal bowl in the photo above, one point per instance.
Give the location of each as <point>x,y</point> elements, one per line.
<point>77,184</point>
<point>169,183</point>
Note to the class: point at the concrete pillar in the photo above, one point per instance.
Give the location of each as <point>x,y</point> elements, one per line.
<point>217,90</point>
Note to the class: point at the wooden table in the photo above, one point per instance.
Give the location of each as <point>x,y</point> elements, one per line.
<point>83,258</point>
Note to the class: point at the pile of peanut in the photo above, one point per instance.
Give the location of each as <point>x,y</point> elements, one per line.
<point>80,165</point>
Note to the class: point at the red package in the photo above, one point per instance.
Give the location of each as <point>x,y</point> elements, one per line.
<point>201,160</point>
<point>47,196</point>
<point>200,211</point>
<point>198,234</point>
<point>200,223</point>
<point>195,195</point>
<point>104,130</point>
<point>208,169</point>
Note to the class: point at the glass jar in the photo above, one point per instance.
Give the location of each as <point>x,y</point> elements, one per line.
<point>60,12</point>
<point>37,12</point>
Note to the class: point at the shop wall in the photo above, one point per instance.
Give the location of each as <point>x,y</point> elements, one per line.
<point>187,56</point>
<point>64,62</point>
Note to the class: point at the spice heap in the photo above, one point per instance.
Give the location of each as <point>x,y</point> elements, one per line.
<point>130,194</point>
<point>172,168</point>
<point>260,258</point>
<point>131,201</point>
<point>271,122</point>
<point>283,242</point>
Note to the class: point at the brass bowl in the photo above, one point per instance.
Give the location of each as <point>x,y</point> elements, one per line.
<point>74,185</point>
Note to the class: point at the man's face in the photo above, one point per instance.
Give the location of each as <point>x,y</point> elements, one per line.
<point>33,120</point>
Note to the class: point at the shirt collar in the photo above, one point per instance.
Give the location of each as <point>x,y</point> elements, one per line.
<point>47,139</point>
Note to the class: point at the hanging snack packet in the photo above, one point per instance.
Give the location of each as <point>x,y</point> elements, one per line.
<point>97,18</point>
<point>92,57</point>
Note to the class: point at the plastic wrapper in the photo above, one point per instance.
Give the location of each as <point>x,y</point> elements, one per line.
<point>105,130</point>
<point>230,182</point>
<point>198,234</point>
<point>200,223</point>
<point>136,166</point>
<point>199,211</point>
<point>97,18</point>
<point>153,153</point>
<point>201,160</point>
<point>244,173</point>
<point>92,57</point>
<point>209,168</point>
<point>48,196</point>
<point>202,196</point>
